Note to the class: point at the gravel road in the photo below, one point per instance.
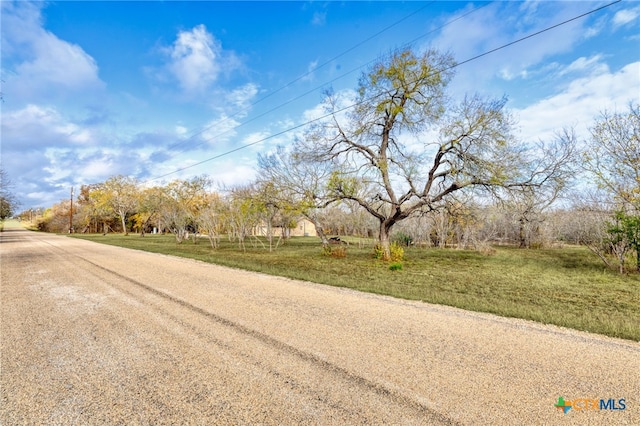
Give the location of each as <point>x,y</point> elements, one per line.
<point>93,334</point>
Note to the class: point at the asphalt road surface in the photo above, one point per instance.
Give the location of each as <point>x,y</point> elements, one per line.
<point>93,334</point>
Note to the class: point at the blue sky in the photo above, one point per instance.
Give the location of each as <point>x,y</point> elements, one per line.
<point>95,89</point>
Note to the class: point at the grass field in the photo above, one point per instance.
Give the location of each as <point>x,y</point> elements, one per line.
<point>569,287</point>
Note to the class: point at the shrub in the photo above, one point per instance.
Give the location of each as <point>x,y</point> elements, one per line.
<point>397,252</point>
<point>337,252</point>
<point>377,251</point>
<point>395,266</point>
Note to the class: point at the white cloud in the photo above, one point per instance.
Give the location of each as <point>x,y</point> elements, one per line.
<point>60,63</point>
<point>97,169</point>
<point>195,59</point>
<point>219,131</point>
<point>501,23</point>
<point>255,138</point>
<point>626,16</point>
<point>37,63</point>
<point>343,100</point>
<point>581,101</point>
<point>314,113</point>
<point>506,74</point>
<point>243,96</point>
<point>41,148</point>
<point>480,31</point>
<point>35,127</point>
<point>229,174</point>
<point>592,64</point>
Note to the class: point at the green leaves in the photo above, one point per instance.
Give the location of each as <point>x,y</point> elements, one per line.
<point>626,227</point>
<point>406,90</point>
<point>342,185</point>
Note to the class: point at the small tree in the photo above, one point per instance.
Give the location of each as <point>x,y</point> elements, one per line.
<point>8,202</point>
<point>244,214</point>
<point>95,207</point>
<point>149,204</point>
<point>181,202</point>
<point>120,194</point>
<point>298,185</point>
<point>625,237</point>
<point>555,163</point>
<point>211,218</point>
<point>612,157</point>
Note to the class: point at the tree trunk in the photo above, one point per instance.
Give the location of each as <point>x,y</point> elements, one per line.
<point>124,224</point>
<point>385,240</point>
<point>321,234</point>
<point>522,235</point>
<point>319,230</point>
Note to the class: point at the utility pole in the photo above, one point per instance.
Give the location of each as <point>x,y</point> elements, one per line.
<point>71,213</point>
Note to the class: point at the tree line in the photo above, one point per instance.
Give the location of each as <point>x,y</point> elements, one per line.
<point>402,162</point>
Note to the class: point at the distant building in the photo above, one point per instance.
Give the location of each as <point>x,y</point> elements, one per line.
<point>304,228</point>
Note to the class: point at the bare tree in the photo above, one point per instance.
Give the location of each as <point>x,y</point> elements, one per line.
<point>244,214</point>
<point>211,218</point>
<point>298,184</point>
<point>612,156</point>
<point>8,202</point>
<point>389,161</point>
<point>552,166</point>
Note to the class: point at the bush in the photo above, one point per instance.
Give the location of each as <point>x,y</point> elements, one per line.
<point>337,252</point>
<point>397,252</point>
<point>395,266</point>
<point>378,252</point>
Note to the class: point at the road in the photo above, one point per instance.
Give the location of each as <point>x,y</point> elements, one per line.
<point>94,334</point>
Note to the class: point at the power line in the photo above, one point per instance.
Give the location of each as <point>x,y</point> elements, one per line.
<point>300,77</point>
<point>325,84</point>
<point>466,61</point>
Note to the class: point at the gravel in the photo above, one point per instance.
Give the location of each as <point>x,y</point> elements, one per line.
<point>94,334</point>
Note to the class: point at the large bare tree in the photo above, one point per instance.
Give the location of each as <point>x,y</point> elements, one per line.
<point>405,147</point>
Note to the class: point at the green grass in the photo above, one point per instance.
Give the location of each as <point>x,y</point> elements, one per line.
<point>568,287</point>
